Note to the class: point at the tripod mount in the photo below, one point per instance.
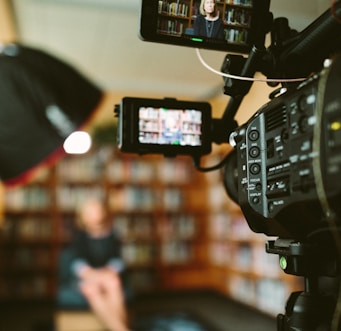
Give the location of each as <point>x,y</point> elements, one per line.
<point>311,309</point>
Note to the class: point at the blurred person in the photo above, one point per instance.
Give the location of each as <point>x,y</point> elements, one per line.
<point>93,267</point>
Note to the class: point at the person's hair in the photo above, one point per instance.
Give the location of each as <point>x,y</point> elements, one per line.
<point>82,205</point>
<point>202,10</point>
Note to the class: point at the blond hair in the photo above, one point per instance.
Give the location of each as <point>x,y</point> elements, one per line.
<point>85,203</point>
<point>202,10</point>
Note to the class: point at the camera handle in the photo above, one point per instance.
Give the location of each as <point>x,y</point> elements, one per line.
<point>238,65</point>
<point>236,89</point>
<point>310,309</point>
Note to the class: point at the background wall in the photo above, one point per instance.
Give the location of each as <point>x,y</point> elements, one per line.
<point>100,37</point>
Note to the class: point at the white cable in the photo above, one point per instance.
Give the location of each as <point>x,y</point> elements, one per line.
<point>250,79</point>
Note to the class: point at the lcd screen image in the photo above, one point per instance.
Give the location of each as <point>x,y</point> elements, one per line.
<point>164,126</point>
<point>222,25</point>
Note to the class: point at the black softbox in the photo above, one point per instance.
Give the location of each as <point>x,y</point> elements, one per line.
<point>42,101</point>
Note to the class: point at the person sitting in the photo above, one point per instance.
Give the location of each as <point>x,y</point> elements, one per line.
<point>92,268</point>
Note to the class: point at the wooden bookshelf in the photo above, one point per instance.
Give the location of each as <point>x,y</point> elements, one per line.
<point>28,259</point>
<point>150,200</point>
<point>177,18</point>
<point>179,229</point>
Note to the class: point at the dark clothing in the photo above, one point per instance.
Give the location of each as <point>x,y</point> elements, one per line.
<point>97,252</point>
<point>210,29</point>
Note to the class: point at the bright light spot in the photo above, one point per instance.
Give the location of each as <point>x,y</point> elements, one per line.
<point>78,142</point>
<point>335,126</point>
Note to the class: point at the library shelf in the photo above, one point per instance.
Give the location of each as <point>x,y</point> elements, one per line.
<point>178,227</point>
<point>149,200</point>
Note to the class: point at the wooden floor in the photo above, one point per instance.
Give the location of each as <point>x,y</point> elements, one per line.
<point>215,311</point>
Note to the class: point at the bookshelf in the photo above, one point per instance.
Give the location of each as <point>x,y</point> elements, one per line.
<point>150,200</point>
<point>27,242</point>
<point>177,17</point>
<point>179,229</point>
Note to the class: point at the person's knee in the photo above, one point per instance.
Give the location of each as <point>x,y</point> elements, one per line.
<point>89,290</point>
<point>112,281</point>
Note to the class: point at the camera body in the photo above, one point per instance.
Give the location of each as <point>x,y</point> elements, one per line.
<point>285,169</point>
<point>284,150</point>
<point>164,126</point>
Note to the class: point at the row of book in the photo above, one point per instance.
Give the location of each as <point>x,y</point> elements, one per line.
<point>232,227</point>
<point>267,294</point>
<point>176,252</point>
<point>182,226</point>
<point>251,259</point>
<point>24,258</point>
<point>82,169</point>
<point>181,8</point>
<point>144,227</point>
<point>238,16</point>
<point>176,8</point>
<point>70,198</point>
<point>27,228</point>
<point>176,138</point>
<point>239,36</point>
<point>162,171</point>
<point>247,3</point>
<point>145,254</point>
<point>92,168</point>
<point>145,199</point>
<point>134,227</point>
<point>28,198</point>
<point>182,115</point>
<point>160,127</point>
<point>138,253</point>
<point>171,26</point>
<point>37,287</point>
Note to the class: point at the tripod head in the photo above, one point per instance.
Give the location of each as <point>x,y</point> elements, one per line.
<point>313,308</point>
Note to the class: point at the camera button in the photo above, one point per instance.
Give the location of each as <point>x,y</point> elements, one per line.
<point>255,168</point>
<point>258,187</point>
<point>253,135</point>
<point>254,151</point>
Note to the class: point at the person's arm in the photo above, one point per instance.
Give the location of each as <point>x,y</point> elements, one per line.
<point>221,33</point>
<point>79,267</point>
<point>116,264</point>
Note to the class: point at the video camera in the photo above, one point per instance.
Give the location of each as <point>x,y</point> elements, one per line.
<point>285,168</point>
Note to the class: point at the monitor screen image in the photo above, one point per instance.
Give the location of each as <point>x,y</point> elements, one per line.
<point>165,126</point>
